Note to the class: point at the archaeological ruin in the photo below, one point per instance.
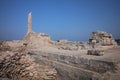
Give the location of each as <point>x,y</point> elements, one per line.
<point>37,57</point>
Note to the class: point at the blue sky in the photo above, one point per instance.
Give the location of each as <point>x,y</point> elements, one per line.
<point>73,20</point>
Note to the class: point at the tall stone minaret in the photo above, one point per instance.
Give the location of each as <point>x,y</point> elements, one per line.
<point>29,22</point>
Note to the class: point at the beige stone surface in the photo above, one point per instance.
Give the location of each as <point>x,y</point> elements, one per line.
<point>29,22</point>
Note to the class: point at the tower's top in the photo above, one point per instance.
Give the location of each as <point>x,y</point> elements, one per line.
<point>30,14</point>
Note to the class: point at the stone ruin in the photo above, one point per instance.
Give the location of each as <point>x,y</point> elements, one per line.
<point>17,64</point>
<point>96,40</point>
<point>37,57</point>
<point>102,38</point>
<point>20,66</point>
<point>70,45</point>
<point>29,22</point>
<point>37,39</point>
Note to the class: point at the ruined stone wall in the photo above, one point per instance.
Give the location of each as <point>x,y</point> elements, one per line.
<point>90,64</point>
<point>37,39</point>
<point>102,38</point>
<point>77,67</point>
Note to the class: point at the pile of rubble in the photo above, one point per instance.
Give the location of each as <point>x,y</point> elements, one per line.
<point>102,38</point>
<point>97,40</point>
<point>18,65</point>
<point>72,46</point>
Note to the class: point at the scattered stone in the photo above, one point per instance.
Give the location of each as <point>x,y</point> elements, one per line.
<point>20,66</point>
<point>67,45</point>
<point>71,46</point>
<point>95,52</point>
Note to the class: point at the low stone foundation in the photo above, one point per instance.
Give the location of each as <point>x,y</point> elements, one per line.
<point>76,67</point>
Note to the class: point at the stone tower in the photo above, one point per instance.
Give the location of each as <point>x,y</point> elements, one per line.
<point>29,22</point>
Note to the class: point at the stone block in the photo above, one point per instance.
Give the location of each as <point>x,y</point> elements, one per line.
<point>95,52</point>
